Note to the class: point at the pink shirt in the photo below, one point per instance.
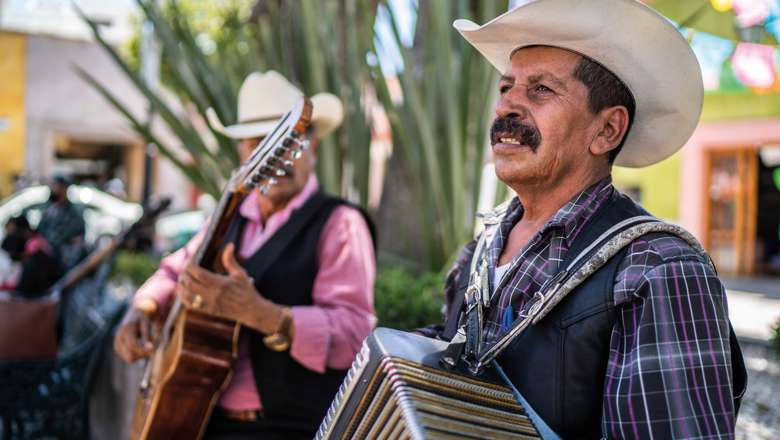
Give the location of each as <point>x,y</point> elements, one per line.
<point>328,333</point>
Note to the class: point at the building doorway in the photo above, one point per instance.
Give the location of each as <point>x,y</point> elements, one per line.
<point>742,212</point>
<point>731,209</point>
<point>97,163</point>
<point>768,219</point>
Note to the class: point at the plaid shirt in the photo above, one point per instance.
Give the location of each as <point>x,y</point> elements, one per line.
<point>669,371</point>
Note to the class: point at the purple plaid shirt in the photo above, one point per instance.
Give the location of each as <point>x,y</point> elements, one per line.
<point>669,371</point>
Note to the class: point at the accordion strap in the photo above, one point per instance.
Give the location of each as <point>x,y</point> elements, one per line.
<point>585,264</point>
<point>544,430</point>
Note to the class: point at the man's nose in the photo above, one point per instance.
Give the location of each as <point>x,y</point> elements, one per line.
<point>510,106</point>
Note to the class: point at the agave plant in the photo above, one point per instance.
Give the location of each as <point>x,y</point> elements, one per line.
<point>323,46</point>
<point>307,41</point>
<point>199,86</point>
<point>441,123</point>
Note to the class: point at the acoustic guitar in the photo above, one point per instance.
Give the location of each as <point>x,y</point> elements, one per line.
<point>194,353</point>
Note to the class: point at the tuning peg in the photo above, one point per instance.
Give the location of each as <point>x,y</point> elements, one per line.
<point>287,163</point>
<point>296,154</point>
<point>264,189</point>
<point>271,181</point>
<point>304,144</point>
<point>280,172</point>
<point>295,134</point>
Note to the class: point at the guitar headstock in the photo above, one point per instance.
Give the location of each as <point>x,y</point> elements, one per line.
<point>276,152</point>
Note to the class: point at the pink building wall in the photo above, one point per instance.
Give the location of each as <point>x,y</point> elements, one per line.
<point>712,136</point>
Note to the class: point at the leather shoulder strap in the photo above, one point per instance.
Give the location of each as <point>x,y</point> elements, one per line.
<point>591,259</point>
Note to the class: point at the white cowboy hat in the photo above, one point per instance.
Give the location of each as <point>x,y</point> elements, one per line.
<point>635,43</point>
<point>266,97</point>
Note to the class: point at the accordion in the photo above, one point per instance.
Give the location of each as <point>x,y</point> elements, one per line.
<point>396,389</point>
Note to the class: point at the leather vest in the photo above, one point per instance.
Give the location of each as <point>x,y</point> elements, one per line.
<point>560,363</point>
<point>295,399</point>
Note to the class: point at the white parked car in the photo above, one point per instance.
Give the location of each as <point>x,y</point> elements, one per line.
<point>104,214</point>
<point>174,230</point>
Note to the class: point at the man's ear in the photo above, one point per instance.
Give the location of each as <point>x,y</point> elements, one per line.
<point>614,125</point>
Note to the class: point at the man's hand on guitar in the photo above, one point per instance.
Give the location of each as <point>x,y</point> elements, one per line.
<point>231,296</point>
<point>133,339</point>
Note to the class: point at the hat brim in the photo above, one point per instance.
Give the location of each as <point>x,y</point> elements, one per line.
<point>327,115</point>
<point>641,47</point>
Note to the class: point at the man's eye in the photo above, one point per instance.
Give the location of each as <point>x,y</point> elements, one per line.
<point>504,89</point>
<point>540,88</point>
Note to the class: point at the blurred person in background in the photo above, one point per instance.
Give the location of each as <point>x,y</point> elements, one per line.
<point>304,317</point>
<point>62,223</point>
<point>116,187</point>
<point>39,266</point>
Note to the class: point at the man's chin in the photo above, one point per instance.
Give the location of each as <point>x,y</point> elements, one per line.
<point>280,195</point>
<point>510,172</point>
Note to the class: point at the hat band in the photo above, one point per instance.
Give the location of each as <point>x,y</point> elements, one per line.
<point>266,119</point>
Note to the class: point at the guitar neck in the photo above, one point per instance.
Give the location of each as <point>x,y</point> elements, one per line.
<point>207,255</point>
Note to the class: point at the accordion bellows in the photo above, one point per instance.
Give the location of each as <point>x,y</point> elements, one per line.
<point>397,390</point>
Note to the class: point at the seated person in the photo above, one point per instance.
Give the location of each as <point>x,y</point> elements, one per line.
<point>40,268</point>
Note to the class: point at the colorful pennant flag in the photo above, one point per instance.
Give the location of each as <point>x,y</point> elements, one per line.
<point>712,52</point>
<point>754,65</point>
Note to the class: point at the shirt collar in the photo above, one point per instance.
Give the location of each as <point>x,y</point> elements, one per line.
<point>250,208</point>
<point>574,214</point>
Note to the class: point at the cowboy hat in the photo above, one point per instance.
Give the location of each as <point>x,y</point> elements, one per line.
<point>635,43</point>
<point>265,97</point>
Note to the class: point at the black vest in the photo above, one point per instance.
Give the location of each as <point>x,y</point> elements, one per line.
<point>559,364</point>
<point>295,399</point>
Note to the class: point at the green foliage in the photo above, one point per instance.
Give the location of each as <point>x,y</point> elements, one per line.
<point>203,87</point>
<point>208,48</point>
<point>323,46</point>
<point>776,338</point>
<point>407,301</point>
<point>442,122</point>
<point>220,32</point>
<point>133,266</point>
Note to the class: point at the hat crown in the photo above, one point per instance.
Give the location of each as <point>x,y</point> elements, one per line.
<point>265,97</point>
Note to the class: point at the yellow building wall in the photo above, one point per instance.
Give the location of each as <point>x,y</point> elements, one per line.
<point>658,185</point>
<point>12,114</point>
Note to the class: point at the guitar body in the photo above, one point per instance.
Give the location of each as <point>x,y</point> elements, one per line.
<point>194,354</point>
<point>186,378</point>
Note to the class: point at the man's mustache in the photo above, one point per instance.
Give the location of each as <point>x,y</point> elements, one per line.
<point>512,127</point>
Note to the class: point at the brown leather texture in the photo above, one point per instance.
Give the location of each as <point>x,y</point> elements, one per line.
<point>28,329</point>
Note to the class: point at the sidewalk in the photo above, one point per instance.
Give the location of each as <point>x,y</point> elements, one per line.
<point>754,306</point>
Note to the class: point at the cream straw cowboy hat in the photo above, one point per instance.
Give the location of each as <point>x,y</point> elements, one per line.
<point>265,97</point>
<point>634,42</point>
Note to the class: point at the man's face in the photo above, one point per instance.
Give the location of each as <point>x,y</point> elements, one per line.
<point>297,175</point>
<point>543,126</point>
<point>59,190</point>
